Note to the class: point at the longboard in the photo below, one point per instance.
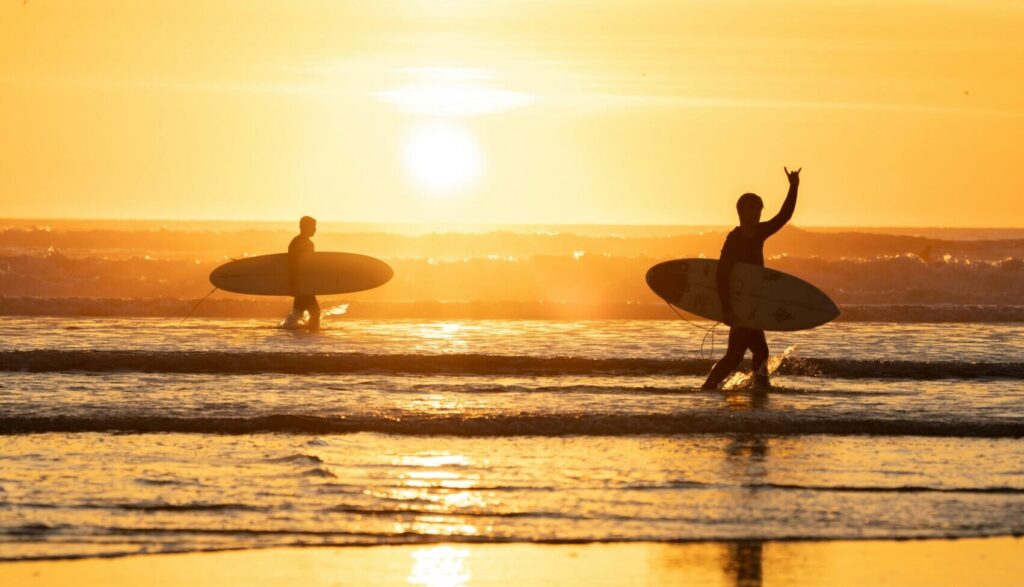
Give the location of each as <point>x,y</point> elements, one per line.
<point>319,274</point>
<point>762,298</point>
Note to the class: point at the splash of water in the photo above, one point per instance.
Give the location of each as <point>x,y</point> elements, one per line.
<point>296,320</point>
<point>775,362</point>
<point>741,379</point>
<point>338,310</point>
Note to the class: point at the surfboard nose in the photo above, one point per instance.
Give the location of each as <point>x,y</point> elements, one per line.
<point>668,279</point>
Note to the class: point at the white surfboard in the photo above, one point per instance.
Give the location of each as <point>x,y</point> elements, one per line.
<point>762,298</point>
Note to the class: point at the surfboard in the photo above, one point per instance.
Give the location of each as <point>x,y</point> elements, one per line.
<point>319,274</point>
<point>762,298</point>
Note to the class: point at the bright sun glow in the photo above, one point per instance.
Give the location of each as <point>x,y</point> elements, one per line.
<point>452,91</point>
<point>441,157</point>
<point>452,100</point>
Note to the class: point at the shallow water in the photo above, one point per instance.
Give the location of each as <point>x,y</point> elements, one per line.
<point>184,492</point>
<point>500,405</point>
<point>227,434</point>
<point>651,339</point>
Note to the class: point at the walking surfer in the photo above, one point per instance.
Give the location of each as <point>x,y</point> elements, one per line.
<point>745,244</point>
<point>300,247</point>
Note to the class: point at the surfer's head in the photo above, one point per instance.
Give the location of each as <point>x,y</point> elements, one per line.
<point>307,226</point>
<point>749,207</point>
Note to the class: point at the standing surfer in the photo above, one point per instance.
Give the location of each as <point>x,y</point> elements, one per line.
<point>745,244</point>
<point>300,247</point>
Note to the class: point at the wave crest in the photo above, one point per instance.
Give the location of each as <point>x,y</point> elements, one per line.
<point>326,363</point>
<point>525,425</point>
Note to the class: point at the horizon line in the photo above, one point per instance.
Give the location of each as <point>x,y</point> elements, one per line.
<point>28,219</point>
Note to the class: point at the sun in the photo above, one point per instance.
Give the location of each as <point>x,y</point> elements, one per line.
<point>440,154</point>
<point>442,158</point>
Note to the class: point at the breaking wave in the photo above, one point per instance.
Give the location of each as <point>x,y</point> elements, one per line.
<point>274,308</point>
<point>709,422</point>
<point>475,364</point>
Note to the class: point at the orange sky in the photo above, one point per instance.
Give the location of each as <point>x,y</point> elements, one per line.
<point>902,112</point>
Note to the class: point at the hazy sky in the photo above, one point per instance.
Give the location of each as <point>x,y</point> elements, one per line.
<point>901,112</point>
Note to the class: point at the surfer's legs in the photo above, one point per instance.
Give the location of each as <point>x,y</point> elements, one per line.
<point>759,349</point>
<point>295,316</point>
<point>738,340</point>
<point>313,307</point>
<point>306,304</point>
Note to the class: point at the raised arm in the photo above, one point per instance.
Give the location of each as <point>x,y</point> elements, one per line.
<point>773,225</point>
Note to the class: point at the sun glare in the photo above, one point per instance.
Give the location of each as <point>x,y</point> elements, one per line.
<point>452,91</point>
<point>452,100</point>
<point>441,158</point>
<point>440,154</point>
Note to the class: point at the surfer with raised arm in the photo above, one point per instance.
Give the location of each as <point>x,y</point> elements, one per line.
<point>745,244</point>
<point>300,247</point>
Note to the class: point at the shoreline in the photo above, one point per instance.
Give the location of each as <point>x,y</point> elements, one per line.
<point>983,561</point>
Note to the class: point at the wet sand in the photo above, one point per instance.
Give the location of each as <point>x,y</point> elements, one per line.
<point>986,561</point>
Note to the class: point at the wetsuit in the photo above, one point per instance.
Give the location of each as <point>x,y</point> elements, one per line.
<point>299,247</point>
<point>746,248</point>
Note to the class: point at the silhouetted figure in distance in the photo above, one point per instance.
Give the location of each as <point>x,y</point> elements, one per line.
<point>300,247</point>
<point>745,244</point>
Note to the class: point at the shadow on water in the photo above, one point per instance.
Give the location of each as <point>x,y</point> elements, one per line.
<point>740,562</point>
<point>743,563</point>
<point>746,454</point>
<point>743,560</point>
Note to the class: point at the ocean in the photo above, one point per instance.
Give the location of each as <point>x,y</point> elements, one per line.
<point>127,434</point>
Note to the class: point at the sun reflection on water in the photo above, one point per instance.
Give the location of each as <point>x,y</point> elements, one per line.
<point>435,460</point>
<point>437,402</point>
<point>437,490</point>
<point>441,334</point>
<point>440,566</point>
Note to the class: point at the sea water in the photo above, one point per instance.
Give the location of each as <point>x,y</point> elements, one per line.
<point>125,436</point>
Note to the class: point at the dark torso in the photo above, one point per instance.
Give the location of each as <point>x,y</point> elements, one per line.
<point>742,248</point>
<point>300,245</point>
<point>297,249</point>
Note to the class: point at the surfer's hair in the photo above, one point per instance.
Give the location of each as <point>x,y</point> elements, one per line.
<point>749,200</point>
<point>306,221</point>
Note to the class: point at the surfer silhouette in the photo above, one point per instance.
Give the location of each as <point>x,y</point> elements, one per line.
<point>745,244</point>
<point>301,246</point>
